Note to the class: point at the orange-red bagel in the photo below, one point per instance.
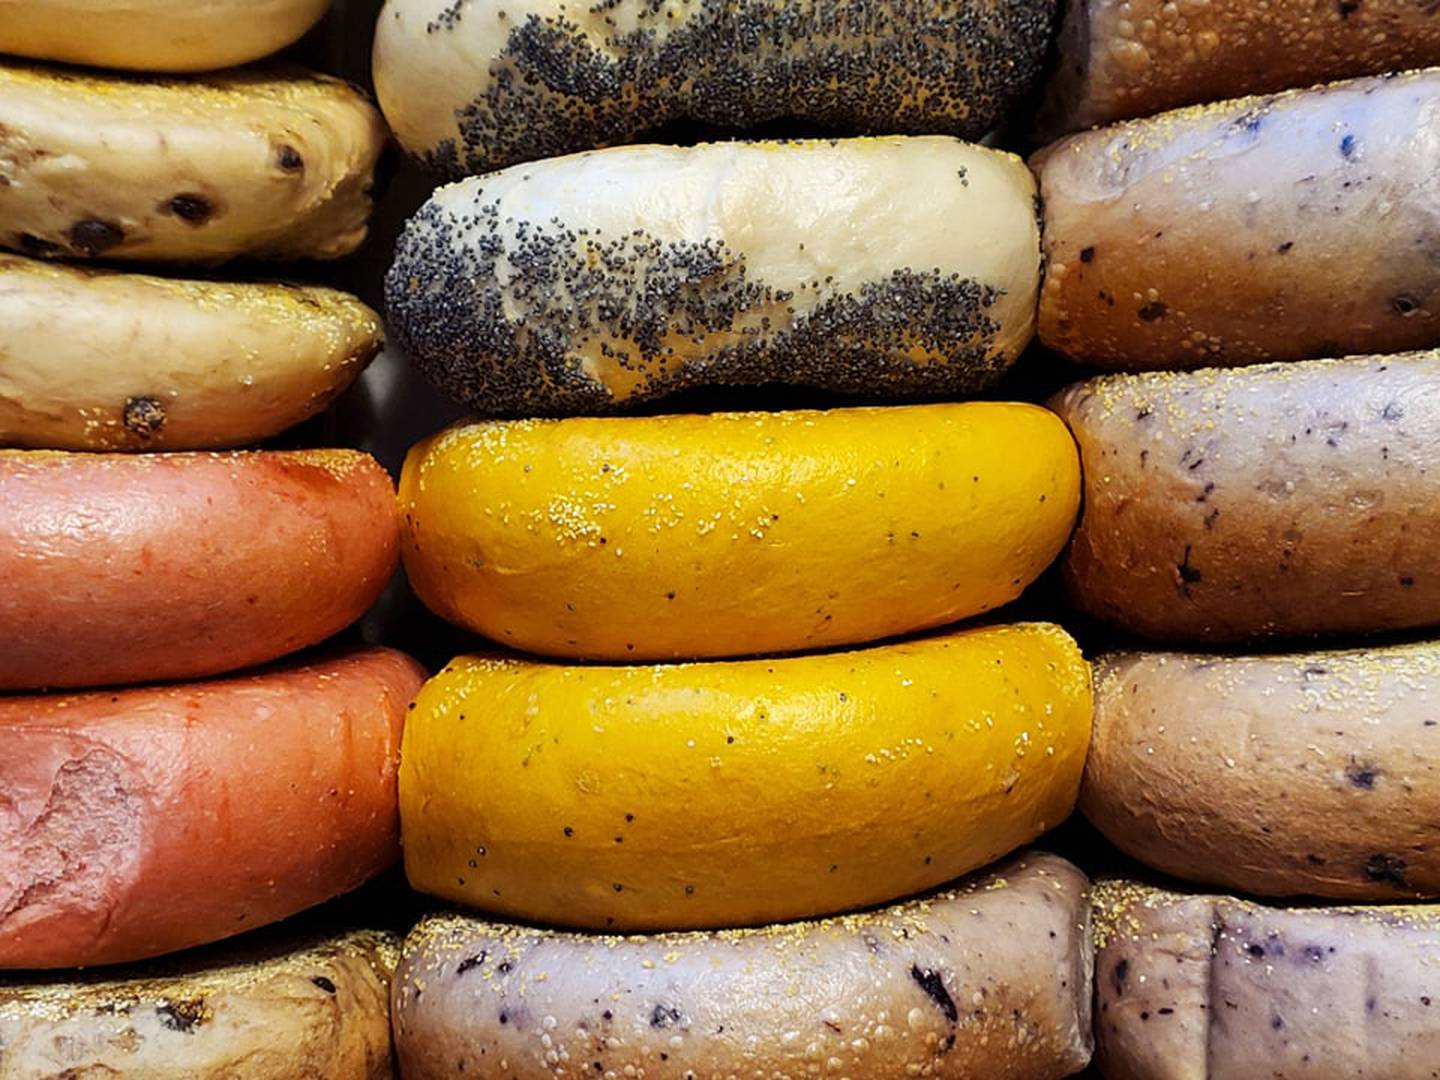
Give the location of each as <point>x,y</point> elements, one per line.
<point>137,822</point>
<point>122,569</point>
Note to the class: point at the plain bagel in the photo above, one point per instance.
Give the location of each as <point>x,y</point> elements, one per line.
<point>1120,59</point>
<point>643,798</point>
<point>723,534</point>
<point>895,266</point>
<point>474,88</point>
<point>1277,501</point>
<point>154,35</point>
<point>1272,228</point>
<point>123,568</point>
<point>138,822</point>
<point>989,980</point>
<point>95,360</point>
<point>276,1007</point>
<point>274,164</point>
<point>1211,986</point>
<point>1296,774</point>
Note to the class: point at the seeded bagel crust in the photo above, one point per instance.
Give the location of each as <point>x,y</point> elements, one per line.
<point>470,87</point>
<point>896,266</point>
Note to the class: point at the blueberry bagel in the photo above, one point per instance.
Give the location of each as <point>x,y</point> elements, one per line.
<point>1193,987</point>
<point>473,87</point>
<point>1270,502</point>
<point>989,979</point>
<point>895,266</point>
<point>1233,771</point>
<point>1286,227</point>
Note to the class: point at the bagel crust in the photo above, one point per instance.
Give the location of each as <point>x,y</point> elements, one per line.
<point>585,283</point>
<point>473,87</point>
<point>137,822</point>
<point>989,980</point>
<point>275,1007</point>
<point>1269,502</point>
<point>1196,987</point>
<point>263,163</point>
<point>125,568</point>
<point>154,35</point>
<point>95,360</point>
<point>725,534</point>
<point>1286,227</point>
<point>1233,771</point>
<point>1126,58</point>
<point>645,798</point>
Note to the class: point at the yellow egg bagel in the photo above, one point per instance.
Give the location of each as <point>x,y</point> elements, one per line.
<point>739,793</point>
<point>672,537</point>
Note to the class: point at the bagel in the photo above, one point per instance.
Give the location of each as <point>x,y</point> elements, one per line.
<point>1283,500</point>
<point>1310,211</point>
<point>734,533</point>
<point>989,980</point>
<point>104,361</point>
<point>137,822</point>
<point>469,89</point>
<point>1232,771</point>
<point>154,35</point>
<point>901,266</point>
<point>1125,58</point>
<point>276,1009</point>
<point>273,164</point>
<point>642,798</point>
<point>1212,986</point>
<point>136,568</point>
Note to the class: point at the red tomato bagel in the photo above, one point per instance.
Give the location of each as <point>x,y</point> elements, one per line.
<point>123,569</point>
<point>141,821</point>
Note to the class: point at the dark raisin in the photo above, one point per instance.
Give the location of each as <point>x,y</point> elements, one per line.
<point>195,209</point>
<point>289,159</point>
<point>93,236</point>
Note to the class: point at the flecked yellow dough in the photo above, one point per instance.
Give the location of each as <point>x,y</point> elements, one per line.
<point>656,538</point>
<point>734,794</point>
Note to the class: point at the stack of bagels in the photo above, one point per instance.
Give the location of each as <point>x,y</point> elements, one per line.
<point>1254,277</point>
<point>763,711</point>
<point>170,776</point>
<point>710,796</point>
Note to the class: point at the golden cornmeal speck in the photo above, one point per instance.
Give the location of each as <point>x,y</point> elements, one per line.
<point>341,464</point>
